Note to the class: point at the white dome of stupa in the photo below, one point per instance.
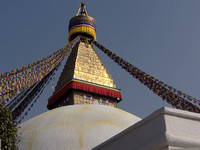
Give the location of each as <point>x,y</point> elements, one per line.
<point>75,127</point>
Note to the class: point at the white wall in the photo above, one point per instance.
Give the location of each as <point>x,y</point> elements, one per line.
<point>166,128</point>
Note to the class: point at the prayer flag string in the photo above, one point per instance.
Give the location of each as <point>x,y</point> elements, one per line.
<point>30,97</point>
<point>35,100</point>
<point>171,95</point>
<point>16,81</point>
<point>17,100</point>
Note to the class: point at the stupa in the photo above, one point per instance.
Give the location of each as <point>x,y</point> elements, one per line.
<point>83,109</point>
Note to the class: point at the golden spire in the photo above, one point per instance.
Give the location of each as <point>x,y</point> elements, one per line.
<point>84,78</point>
<point>82,9</point>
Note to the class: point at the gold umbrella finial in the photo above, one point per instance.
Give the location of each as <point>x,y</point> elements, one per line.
<point>82,9</point>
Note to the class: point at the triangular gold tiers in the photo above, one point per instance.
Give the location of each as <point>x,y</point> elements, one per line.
<point>84,64</point>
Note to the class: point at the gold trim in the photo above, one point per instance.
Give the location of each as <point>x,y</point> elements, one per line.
<point>82,29</point>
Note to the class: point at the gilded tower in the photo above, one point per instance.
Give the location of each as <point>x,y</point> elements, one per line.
<point>84,79</point>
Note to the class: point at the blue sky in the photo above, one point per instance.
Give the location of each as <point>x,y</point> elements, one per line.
<point>160,37</point>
